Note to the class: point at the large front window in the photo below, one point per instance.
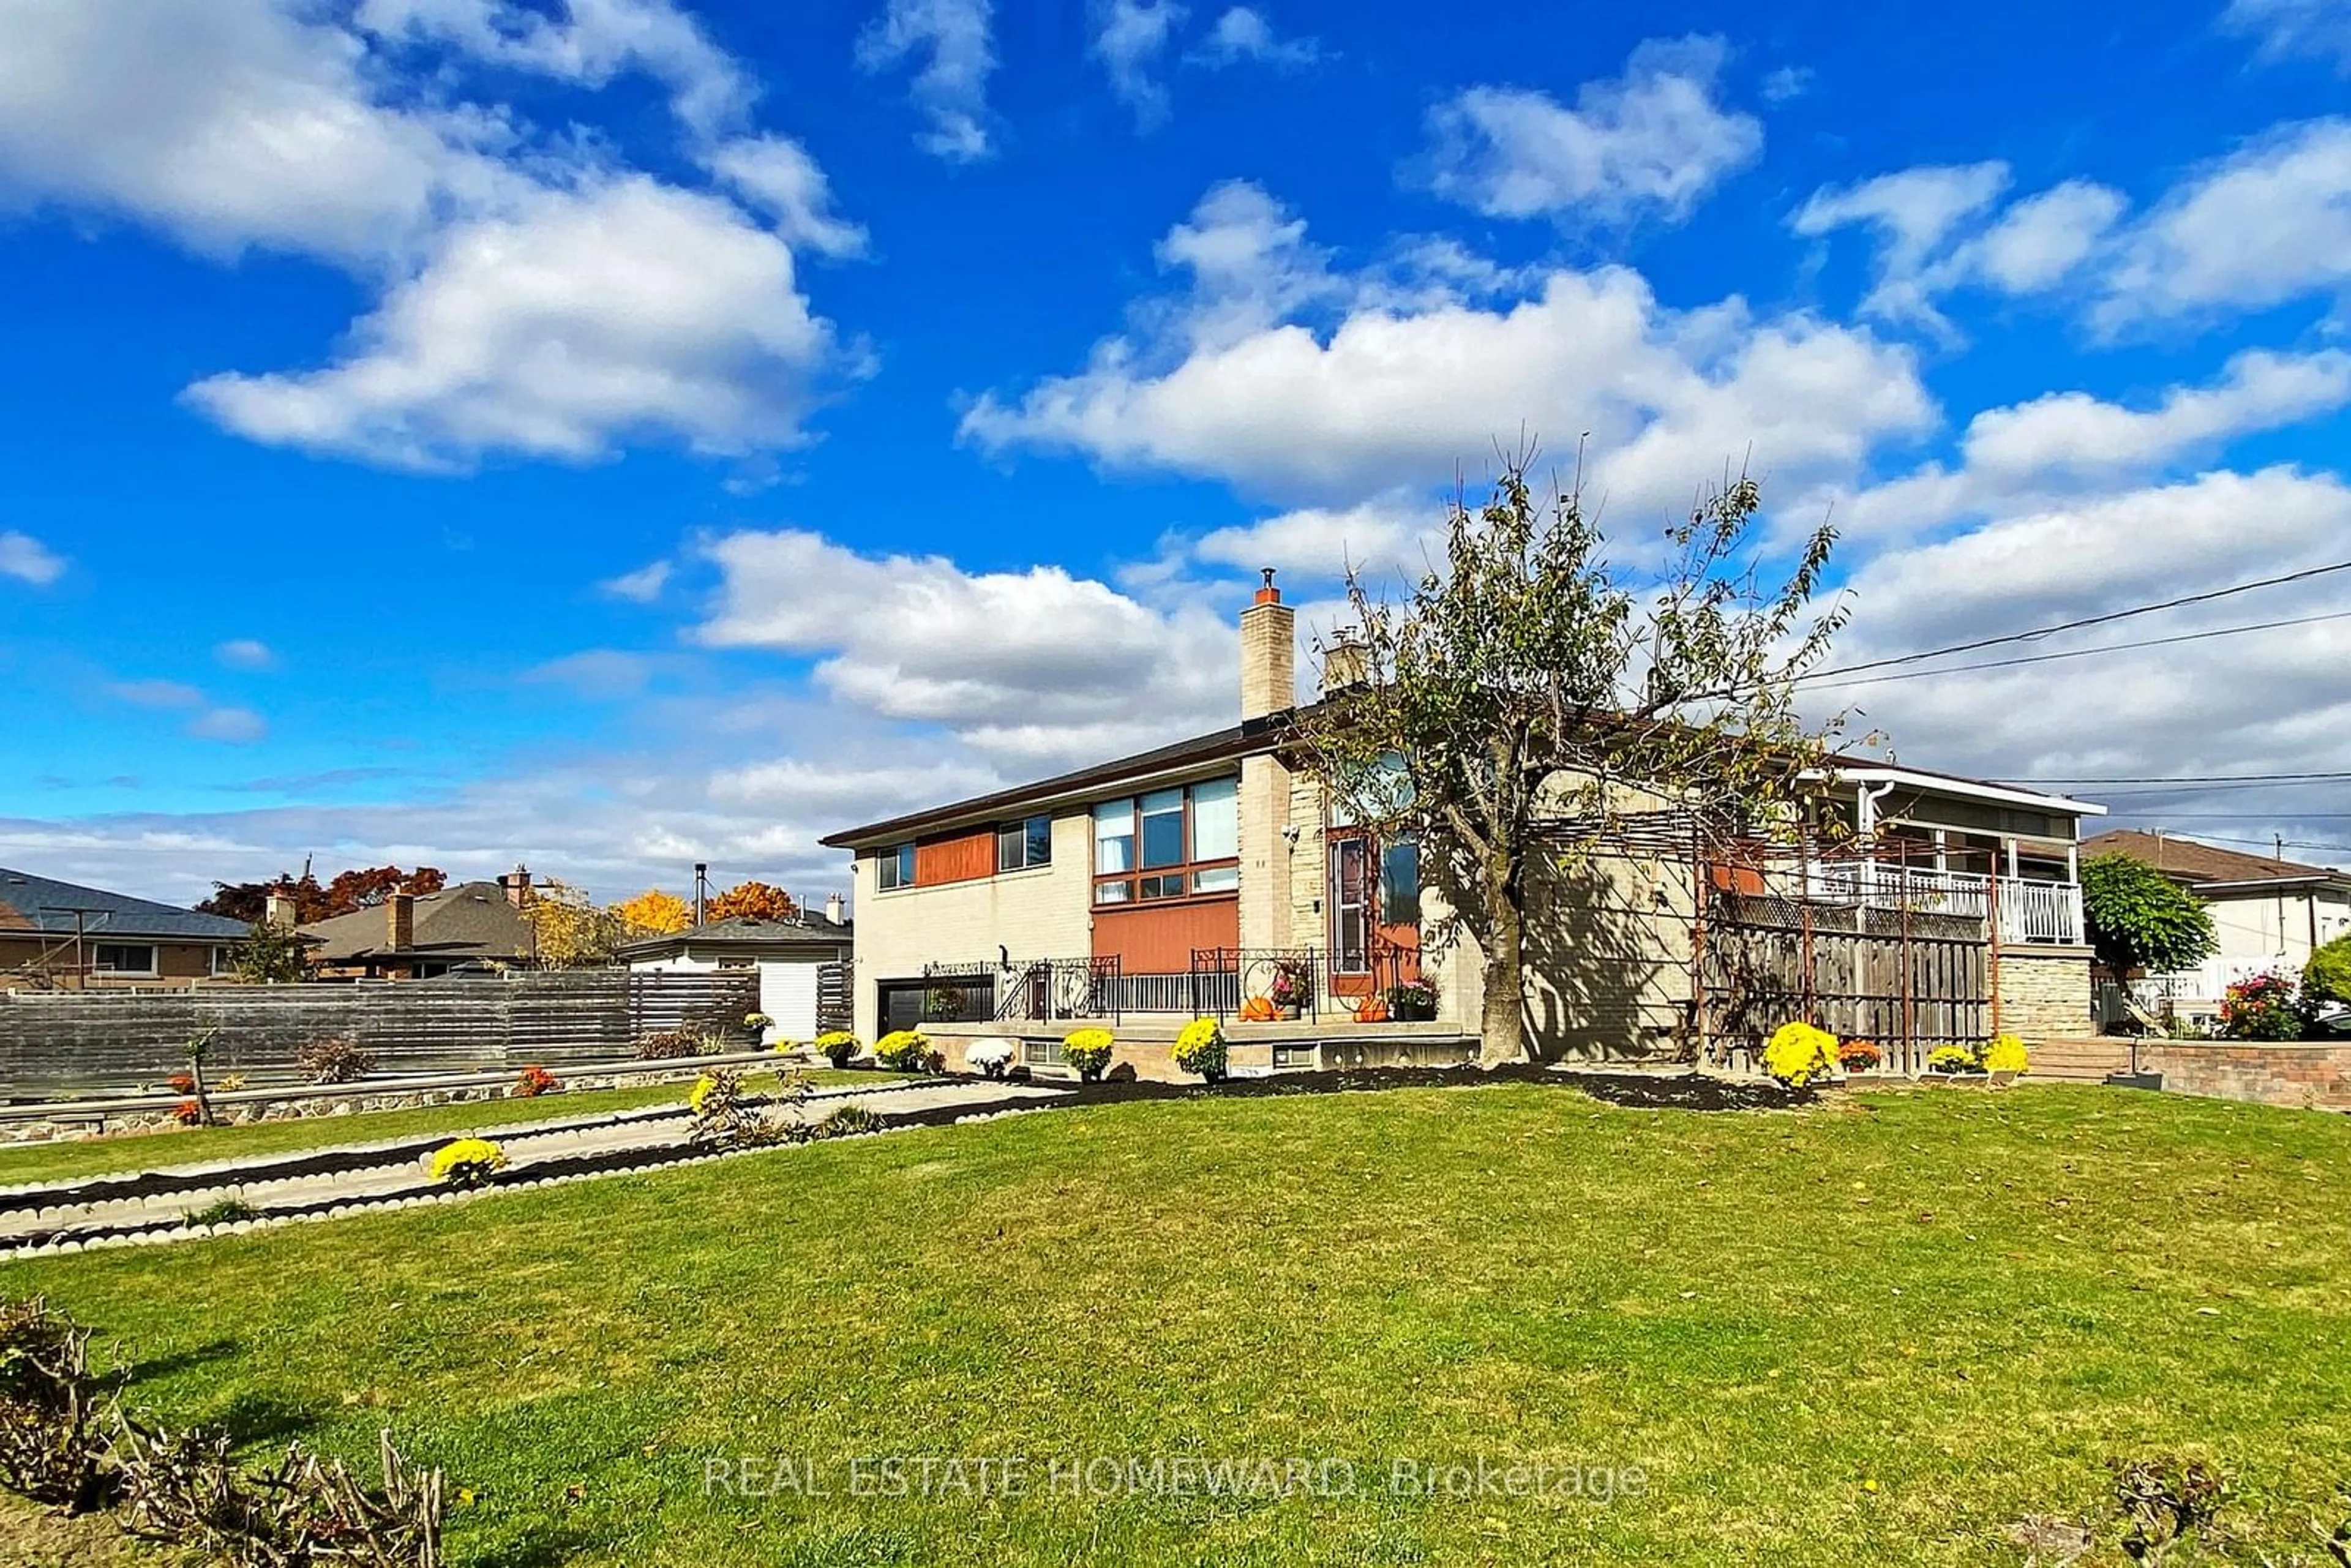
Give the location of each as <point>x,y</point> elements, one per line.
<point>1168,843</point>
<point>123,958</point>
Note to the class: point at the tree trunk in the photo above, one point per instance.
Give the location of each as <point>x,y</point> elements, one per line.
<point>1501,1027</point>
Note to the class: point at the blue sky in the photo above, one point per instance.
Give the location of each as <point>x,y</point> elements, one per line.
<point>615,432</point>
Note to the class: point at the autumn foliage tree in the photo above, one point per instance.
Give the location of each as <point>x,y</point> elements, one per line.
<point>570,930</point>
<point>1527,696</point>
<point>754,901</point>
<point>360,888</point>
<point>654,913</point>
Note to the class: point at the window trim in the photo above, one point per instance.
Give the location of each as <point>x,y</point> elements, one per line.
<point>154,960</point>
<point>1022,827</point>
<point>1188,870</point>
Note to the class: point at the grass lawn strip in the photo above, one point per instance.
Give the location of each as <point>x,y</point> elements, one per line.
<point>1879,1332</point>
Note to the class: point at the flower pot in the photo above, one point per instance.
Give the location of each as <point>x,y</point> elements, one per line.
<point>1287,1014</point>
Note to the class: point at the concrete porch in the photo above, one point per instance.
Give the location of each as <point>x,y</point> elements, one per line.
<point>1253,1049</point>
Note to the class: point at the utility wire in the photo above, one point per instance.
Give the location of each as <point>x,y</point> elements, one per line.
<point>2067,653</point>
<point>2188,778</point>
<point>2110,615</point>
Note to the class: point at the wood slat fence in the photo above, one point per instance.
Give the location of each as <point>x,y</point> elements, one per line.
<point>85,1041</point>
<point>1906,981</point>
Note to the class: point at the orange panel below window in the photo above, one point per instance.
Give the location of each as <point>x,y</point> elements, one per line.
<point>964,858</point>
<point>1158,940</point>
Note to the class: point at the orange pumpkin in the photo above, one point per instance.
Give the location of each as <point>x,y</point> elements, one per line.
<point>1373,1009</point>
<point>1257,1010</point>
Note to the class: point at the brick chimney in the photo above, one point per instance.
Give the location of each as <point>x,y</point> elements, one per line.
<point>399,921</point>
<point>1345,662</point>
<point>278,909</point>
<point>1268,653</point>
<point>834,909</point>
<point>516,884</point>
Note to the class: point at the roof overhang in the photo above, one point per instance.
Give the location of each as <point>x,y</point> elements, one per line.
<point>1965,789</point>
<point>2271,884</point>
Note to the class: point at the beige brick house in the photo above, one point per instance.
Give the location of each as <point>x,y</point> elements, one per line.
<point>1193,878</point>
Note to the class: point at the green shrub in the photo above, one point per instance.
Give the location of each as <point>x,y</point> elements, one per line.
<point>1087,1053</point>
<point>2328,976</point>
<point>848,1121</point>
<point>2141,919</point>
<point>1201,1049</point>
<point>225,1211</point>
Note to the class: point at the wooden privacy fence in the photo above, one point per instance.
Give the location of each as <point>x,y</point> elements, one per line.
<point>1906,981</point>
<point>53,1041</point>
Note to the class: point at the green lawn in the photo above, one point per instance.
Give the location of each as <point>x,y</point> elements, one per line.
<point>1879,1332</point>
<point>133,1152</point>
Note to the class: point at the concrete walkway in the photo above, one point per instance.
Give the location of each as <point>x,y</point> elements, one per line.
<point>64,1212</point>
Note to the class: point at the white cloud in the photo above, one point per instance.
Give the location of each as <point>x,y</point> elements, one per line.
<point>625,311</point>
<point>594,42</point>
<point>1130,36</point>
<point>1937,230</point>
<point>1654,140</point>
<point>952,86</point>
<point>2039,241</point>
<point>777,175</point>
<point>641,586</point>
<point>246,653</point>
<point>206,721</point>
<point>1402,386</point>
<point>1244,35</point>
<point>2072,432</point>
<point>1787,84</point>
<point>227,124</point>
<point>1381,535</point>
<point>2266,700</point>
<point>27,559</point>
<point>535,295</point>
<point>2268,224</point>
<point>1033,662</point>
<point>230,725</point>
<point>2320,29</point>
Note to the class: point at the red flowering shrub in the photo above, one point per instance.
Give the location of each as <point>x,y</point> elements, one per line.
<point>1858,1056</point>
<point>2266,1007</point>
<point>188,1113</point>
<point>181,1083</point>
<point>535,1081</point>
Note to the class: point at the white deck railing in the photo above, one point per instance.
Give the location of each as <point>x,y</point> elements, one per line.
<point>2029,911</point>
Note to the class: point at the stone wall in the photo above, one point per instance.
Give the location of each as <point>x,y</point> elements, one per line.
<point>2043,992</point>
<point>2315,1074</point>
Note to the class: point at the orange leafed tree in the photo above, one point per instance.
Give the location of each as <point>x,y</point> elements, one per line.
<point>754,901</point>
<point>655,913</point>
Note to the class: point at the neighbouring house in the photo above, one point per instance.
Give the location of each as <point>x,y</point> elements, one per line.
<point>61,935</point>
<point>2267,913</point>
<point>1214,873</point>
<point>475,925</point>
<point>801,964</point>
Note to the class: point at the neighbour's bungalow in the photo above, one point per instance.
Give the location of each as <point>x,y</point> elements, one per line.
<point>472,927</point>
<point>2267,913</point>
<point>61,935</point>
<point>1216,875</point>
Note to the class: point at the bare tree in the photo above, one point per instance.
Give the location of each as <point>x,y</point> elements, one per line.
<point>1526,680</point>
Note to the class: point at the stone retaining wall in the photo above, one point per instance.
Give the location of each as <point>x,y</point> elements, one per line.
<point>2317,1074</point>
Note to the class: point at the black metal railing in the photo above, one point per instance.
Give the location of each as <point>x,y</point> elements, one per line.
<point>1290,980</point>
<point>1051,990</point>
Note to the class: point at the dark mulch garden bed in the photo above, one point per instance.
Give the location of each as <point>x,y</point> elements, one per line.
<point>1638,1090</point>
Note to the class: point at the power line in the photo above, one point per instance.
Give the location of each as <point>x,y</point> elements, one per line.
<point>2110,615</point>
<point>2072,653</point>
<point>2186,778</point>
<point>2202,789</point>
